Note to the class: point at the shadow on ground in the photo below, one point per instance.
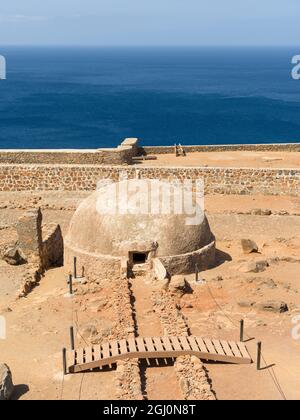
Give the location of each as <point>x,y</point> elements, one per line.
<point>221,257</point>
<point>19,391</point>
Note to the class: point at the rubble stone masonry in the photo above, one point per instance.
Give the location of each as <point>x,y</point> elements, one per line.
<point>285,147</point>
<point>121,155</point>
<point>51,177</point>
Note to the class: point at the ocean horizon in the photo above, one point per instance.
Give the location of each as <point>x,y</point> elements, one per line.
<point>92,97</point>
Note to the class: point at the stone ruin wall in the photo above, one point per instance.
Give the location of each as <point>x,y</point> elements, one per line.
<point>52,247</point>
<point>41,247</point>
<point>25,177</point>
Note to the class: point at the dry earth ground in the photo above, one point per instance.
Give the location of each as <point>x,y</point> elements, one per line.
<point>38,326</point>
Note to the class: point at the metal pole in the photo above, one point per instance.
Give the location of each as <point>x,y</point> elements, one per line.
<point>72,341</point>
<point>196,273</point>
<point>64,356</point>
<point>241,330</point>
<point>71,284</point>
<point>259,355</point>
<point>75,268</point>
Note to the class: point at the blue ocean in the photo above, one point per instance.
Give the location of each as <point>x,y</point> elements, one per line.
<point>95,97</point>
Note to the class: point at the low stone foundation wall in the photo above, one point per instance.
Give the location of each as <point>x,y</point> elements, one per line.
<point>217,180</point>
<point>100,269</point>
<point>190,371</point>
<point>185,264</point>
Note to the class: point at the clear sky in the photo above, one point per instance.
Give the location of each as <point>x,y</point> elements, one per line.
<point>150,22</point>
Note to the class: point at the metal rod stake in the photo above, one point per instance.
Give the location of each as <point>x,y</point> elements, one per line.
<point>259,355</point>
<point>72,341</point>
<point>71,284</point>
<point>241,330</point>
<point>64,356</point>
<point>196,273</point>
<point>75,268</point>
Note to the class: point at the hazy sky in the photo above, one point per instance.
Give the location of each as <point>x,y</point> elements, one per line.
<point>150,22</point>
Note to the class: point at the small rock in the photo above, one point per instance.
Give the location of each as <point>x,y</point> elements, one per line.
<point>269,283</point>
<point>178,285</point>
<point>251,280</point>
<point>179,367</point>
<point>261,323</point>
<point>14,256</point>
<point>254,266</point>
<point>282,213</point>
<point>6,310</point>
<point>273,306</point>
<point>246,304</point>
<point>184,385</point>
<point>218,278</point>
<point>6,383</point>
<point>130,330</point>
<point>97,304</point>
<point>261,212</point>
<point>196,360</point>
<point>249,246</point>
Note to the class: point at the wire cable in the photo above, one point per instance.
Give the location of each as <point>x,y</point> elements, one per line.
<point>62,387</point>
<point>80,388</point>
<point>271,370</point>
<point>78,330</point>
<point>74,321</point>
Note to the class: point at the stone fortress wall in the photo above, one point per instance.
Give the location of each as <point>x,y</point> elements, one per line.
<point>85,177</point>
<point>285,147</point>
<point>121,155</point>
<point>81,170</point>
